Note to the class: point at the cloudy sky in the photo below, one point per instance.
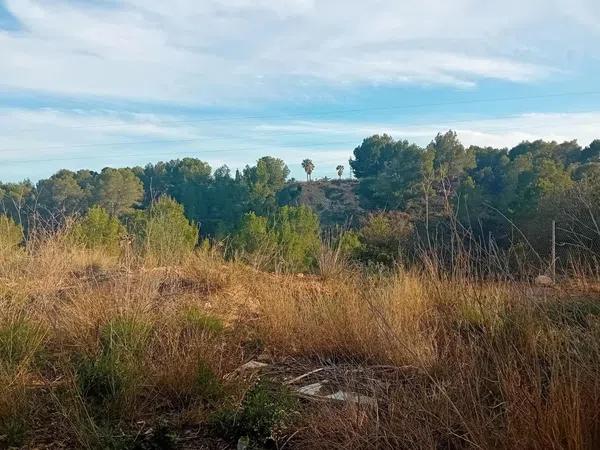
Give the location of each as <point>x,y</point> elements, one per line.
<point>95,83</point>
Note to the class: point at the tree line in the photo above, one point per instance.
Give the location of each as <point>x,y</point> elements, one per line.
<point>506,195</point>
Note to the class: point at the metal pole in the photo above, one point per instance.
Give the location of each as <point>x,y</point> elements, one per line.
<point>553,266</point>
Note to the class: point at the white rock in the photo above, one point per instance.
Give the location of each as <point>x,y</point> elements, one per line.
<point>311,389</point>
<point>253,365</point>
<point>543,280</point>
<point>352,397</point>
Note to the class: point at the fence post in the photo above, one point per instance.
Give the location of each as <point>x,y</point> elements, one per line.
<point>553,265</point>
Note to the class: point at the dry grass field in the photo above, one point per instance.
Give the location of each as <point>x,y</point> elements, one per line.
<point>99,351</point>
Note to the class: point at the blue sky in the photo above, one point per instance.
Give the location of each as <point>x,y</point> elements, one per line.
<point>89,84</point>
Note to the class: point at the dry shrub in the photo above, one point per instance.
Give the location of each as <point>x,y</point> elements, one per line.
<point>353,318</point>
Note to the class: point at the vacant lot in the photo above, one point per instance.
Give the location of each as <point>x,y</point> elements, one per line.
<point>105,352</point>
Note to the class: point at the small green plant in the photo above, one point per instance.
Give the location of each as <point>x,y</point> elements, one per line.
<point>20,341</point>
<point>208,386</point>
<point>104,378</point>
<point>197,320</point>
<point>98,230</point>
<point>265,410</point>
<point>13,430</point>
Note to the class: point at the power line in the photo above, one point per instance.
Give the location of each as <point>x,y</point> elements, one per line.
<point>88,157</point>
<point>339,111</point>
<point>209,139</point>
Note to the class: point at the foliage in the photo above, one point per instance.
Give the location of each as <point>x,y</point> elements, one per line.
<point>19,342</point>
<point>350,245</point>
<point>104,378</point>
<point>118,190</point>
<point>264,181</point>
<point>62,193</point>
<point>98,230</point>
<point>308,167</point>
<point>163,232</point>
<point>265,409</point>
<point>199,320</point>
<point>290,236</point>
<point>384,237</point>
<point>508,196</point>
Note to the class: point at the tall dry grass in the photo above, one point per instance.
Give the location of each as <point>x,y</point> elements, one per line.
<point>98,351</point>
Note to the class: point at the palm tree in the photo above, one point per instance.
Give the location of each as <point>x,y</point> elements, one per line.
<point>308,166</point>
<point>340,170</point>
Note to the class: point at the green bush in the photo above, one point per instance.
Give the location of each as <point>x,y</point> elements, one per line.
<point>163,233</point>
<point>266,409</point>
<point>349,244</point>
<point>11,234</point>
<point>254,234</point>
<point>98,230</point>
<point>291,235</point>
<point>385,237</point>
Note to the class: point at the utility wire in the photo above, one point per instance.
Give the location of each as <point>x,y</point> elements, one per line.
<point>338,111</point>
<point>280,135</point>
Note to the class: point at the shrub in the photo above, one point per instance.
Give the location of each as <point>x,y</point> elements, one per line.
<point>265,409</point>
<point>290,236</point>
<point>384,237</point>
<point>349,244</point>
<point>163,233</point>
<point>207,385</point>
<point>98,230</point>
<point>11,234</point>
<point>254,234</point>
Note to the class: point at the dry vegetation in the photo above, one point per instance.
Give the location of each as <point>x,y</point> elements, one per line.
<point>113,352</point>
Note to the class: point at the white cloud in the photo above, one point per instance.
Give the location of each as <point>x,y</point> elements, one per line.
<point>219,51</point>
<point>83,139</point>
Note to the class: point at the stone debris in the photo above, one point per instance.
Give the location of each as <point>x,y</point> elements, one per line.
<point>544,280</point>
<point>311,389</point>
<point>314,390</point>
<point>352,397</point>
<point>253,365</point>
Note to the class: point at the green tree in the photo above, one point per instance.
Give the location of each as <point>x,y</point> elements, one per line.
<point>340,171</point>
<point>17,200</point>
<point>61,194</point>
<point>264,181</point>
<point>371,155</point>
<point>118,190</point>
<point>308,167</point>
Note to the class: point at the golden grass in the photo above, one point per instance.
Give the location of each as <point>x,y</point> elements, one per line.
<point>95,351</point>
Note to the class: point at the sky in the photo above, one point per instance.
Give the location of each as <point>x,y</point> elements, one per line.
<point>96,83</point>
